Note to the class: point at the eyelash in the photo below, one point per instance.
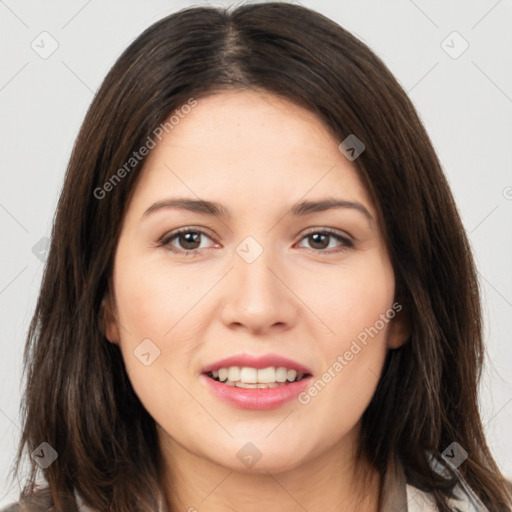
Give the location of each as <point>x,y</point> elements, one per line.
<point>346,242</point>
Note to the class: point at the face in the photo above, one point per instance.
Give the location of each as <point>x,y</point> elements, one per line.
<point>269,280</point>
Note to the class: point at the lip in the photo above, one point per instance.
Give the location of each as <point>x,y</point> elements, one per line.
<point>257,398</point>
<point>258,362</point>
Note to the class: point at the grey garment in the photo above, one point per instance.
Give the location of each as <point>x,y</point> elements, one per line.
<point>398,496</point>
<point>394,490</point>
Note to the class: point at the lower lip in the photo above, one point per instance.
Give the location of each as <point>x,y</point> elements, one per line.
<point>257,398</point>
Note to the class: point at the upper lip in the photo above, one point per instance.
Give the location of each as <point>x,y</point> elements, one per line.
<point>258,362</point>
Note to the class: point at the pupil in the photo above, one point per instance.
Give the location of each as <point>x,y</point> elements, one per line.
<point>315,240</point>
<point>190,238</point>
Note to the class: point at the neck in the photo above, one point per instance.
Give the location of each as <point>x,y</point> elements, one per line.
<point>332,481</point>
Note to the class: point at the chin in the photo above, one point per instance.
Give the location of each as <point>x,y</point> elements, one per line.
<point>261,457</point>
<point>273,464</point>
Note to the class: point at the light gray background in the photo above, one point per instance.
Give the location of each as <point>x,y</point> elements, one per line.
<point>465,103</point>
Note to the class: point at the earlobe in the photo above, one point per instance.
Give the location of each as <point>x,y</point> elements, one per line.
<point>399,330</point>
<point>108,321</point>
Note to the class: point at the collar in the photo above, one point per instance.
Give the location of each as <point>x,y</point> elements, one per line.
<point>399,496</point>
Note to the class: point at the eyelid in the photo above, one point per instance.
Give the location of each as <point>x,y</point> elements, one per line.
<point>167,237</point>
<point>345,239</point>
<point>331,231</point>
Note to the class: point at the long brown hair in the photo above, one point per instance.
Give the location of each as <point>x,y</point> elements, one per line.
<point>78,397</point>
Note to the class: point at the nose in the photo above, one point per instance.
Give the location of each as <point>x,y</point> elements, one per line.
<point>257,296</point>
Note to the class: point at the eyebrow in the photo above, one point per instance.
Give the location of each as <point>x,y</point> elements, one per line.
<point>215,209</point>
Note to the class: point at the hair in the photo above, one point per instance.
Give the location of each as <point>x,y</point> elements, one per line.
<point>78,397</point>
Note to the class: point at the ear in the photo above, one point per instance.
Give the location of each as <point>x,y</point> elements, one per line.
<point>108,320</point>
<point>399,329</point>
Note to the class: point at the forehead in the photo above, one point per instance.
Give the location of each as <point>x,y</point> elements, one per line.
<point>248,124</point>
<point>249,147</point>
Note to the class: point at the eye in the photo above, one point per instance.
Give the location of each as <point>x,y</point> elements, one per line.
<point>188,239</point>
<point>320,240</point>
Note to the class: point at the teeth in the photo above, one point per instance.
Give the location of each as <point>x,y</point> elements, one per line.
<point>267,375</point>
<point>281,374</point>
<point>254,386</point>
<point>247,377</point>
<point>234,374</point>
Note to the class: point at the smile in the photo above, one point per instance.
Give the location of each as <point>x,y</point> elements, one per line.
<point>248,377</point>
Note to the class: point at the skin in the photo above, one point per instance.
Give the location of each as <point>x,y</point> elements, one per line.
<point>257,154</point>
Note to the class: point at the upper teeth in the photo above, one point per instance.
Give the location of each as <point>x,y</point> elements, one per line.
<point>249,375</point>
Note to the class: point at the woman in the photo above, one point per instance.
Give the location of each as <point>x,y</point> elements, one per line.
<point>322,350</point>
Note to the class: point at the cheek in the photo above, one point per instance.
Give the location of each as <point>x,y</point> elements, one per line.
<point>151,299</point>
<point>153,303</point>
<point>358,308</point>
<point>150,306</point>
<point>352,299</point>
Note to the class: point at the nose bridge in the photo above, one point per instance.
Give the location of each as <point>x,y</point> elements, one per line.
<point>257,297</point>
<point>252,265</point>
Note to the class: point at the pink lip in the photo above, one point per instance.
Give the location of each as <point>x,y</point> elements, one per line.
<point>257,398</point>
<point>257,362</point>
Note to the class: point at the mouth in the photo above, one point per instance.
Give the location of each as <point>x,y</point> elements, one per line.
<point>257,384</point>
<point>256,378</point>
<point>244,373</point>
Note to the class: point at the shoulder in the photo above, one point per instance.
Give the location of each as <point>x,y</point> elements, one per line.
<point>26,506</point>
<point>400,495</point>
<point>39,501</point>
<point>463,500</point>
<point>13,507</point>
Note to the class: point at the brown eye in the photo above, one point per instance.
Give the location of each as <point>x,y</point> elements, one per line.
<point>186,241</point>
<point>189,240</point>
<point>321,240</point>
